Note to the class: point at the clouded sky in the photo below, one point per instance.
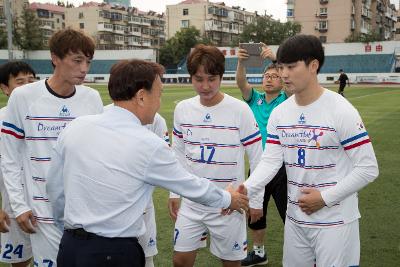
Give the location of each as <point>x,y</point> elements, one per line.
<point>277,8</point>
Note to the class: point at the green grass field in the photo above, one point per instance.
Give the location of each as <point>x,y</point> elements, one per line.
<point>379,202</point>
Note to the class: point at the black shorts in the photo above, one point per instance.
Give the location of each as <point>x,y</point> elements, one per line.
<point>277,188</point>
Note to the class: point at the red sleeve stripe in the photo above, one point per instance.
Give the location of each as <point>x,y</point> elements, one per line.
<point>366,141</point>
<point>12,133</point>
<point>273,142</point>
<point>253,141</point>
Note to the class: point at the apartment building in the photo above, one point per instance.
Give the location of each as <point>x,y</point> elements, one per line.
<point>17,7</point>
<point>51,18</point>
<point>216,21</point>
<point>397,25</point>
<point>118,27</point>
<point>335,20</point>
<point>125,3</point>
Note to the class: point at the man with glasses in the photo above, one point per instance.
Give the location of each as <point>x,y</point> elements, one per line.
<point>262,105</point>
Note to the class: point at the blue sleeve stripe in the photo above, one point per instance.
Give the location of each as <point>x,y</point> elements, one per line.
<point>351,139</point>
<point>12,126</point>
<point>250,136</point>
<point>176,131</point>
<point>272,136</point>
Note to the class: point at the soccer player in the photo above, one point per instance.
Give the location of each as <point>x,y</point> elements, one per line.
<point>212,131</point>
<point>36,114</point>
<point>262,105</point>
<point>328,155</point>
<point>15,244</point>
<point>148,241</point>
<point>342,82</point>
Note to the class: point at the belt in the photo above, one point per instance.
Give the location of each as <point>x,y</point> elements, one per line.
<point>81,233</point>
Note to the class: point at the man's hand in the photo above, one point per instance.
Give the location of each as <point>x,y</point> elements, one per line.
<point>173,207</point>
<point>311,201</point>
<point>255,215</point>
<point>4,221</point>
<point>242,54</point>
<point>266,52</point>
<point>27,222</point>
<point>239,200</point>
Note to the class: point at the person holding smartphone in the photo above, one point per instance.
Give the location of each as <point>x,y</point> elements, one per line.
<point>262,104</point>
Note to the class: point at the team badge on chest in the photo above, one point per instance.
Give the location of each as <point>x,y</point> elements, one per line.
<point>207,118</point>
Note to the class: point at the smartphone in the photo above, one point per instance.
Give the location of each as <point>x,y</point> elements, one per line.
<point>254,51</point>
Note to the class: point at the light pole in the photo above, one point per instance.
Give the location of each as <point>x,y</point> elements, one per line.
<point>8,15</point>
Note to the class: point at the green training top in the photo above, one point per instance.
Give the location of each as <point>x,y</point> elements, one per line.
<point>262,110</point>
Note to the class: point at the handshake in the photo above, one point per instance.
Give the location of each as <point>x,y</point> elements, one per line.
<point>239,200</point>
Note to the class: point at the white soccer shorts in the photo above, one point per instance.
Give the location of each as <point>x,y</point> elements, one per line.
<point>148,240</point>
<point>15,245</point>
<point>331,246</point>
<point>45,244</point>
<point>227,233</point>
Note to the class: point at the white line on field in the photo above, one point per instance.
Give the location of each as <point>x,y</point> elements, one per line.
<point>362,96</point>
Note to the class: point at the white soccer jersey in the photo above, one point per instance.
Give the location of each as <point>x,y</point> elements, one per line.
<point>324,146</point>
<point>33,121</point>
<point>5,202</point>
<point>211,141</point>
<point>159,127</point>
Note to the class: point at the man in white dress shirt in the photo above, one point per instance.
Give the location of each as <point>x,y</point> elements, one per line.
<point>105,168</point>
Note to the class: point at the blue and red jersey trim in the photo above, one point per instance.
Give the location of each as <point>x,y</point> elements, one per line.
<point>11,129</point>
<point>356,141</point>
<point>251,139</point>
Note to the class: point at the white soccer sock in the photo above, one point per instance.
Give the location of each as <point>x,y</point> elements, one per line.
<point>259,250</point>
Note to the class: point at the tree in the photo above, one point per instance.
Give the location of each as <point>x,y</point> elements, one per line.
<point>176,48</point>
<point>371,36</point>
<point>27,33</point>
<point>3,38</point>
<point>268,31</point>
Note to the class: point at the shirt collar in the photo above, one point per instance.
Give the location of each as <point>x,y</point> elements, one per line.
<point>122,113</point>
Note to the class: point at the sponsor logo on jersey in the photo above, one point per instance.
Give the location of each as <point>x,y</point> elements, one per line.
<point>302,119</point>
<point>236,246</point>
<point>64,112</point>
<point>315,137</point>
<point>189,132</point>
<point>207,118</point>
<point>260,102</point>
<point>48,128</point>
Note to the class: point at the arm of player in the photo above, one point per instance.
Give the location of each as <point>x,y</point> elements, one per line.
<point>55,186</point>
<point>13,136</point>
<point>164,170</point>
<point>358,147</point>
<point>178,148</point>
<point>269,165</point>
<point>251,140</point>
<point>241,80</point>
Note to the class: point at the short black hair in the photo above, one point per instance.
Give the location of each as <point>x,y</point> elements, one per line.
<point>13,68</point>
<point>301,47</point>
<point>127,77</point>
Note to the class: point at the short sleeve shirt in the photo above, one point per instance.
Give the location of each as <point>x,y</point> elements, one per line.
<point>262,109</point>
